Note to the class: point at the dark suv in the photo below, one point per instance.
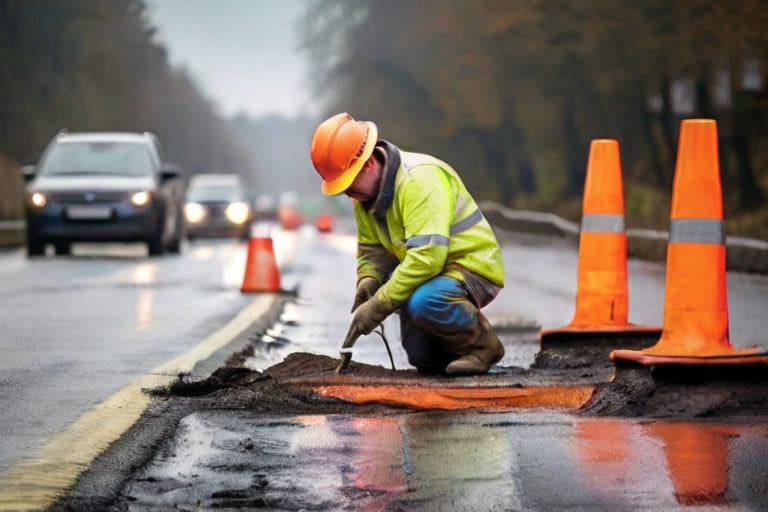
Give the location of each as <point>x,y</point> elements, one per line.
<point>104,187</point>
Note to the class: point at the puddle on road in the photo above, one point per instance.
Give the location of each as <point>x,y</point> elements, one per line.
<point>453,461</point>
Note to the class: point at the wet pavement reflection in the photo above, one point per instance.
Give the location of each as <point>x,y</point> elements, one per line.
<point>453,461</point>
<point>509,455</point>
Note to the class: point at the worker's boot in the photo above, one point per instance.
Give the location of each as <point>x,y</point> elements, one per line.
<point>485,351</point>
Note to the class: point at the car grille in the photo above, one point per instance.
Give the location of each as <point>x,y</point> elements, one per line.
<point>87,197</point>
<point>216,210</point>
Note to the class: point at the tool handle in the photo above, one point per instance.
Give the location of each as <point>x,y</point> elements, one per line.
<point>346,357</point>
<point>350,339</point>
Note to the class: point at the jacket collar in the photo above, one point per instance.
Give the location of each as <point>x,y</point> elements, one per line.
<point>378,206</point>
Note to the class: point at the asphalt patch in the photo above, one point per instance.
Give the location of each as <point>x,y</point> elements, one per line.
<point>623,390</point>
<point>682,391</point>
<point>284,392</point>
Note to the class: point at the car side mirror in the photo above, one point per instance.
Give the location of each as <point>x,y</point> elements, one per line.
<point>28,172</point>
<point>169,171</point>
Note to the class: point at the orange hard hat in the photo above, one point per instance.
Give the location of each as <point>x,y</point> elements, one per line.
<point>340,147</point>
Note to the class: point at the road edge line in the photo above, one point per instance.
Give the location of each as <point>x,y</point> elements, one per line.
<point>36,481</point>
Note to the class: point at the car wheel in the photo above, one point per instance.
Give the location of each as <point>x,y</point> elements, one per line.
<point>174,246</point>
<point>155,246</point>
<point>63,248</point>
<point>35,246</point>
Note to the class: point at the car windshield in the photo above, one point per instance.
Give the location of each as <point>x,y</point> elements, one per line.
<point>120,158</point>
<point>214,193</point>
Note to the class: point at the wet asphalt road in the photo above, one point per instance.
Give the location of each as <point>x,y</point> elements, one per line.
<point>525,459</point>
<point>74,330</point>
<point>518,460</point>
<point>439,461</point>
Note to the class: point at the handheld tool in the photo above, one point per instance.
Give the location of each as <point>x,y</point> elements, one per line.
<point>346,349</point>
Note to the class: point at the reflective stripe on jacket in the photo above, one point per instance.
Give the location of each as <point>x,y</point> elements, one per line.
<point>432,225</point>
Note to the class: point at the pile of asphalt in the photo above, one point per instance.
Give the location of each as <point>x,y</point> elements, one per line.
<point>626,390</point>
<point>676,391</point>
<point>286,389</point>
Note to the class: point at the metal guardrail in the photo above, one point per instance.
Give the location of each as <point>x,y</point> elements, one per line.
<point>12,233</point>
<point>742,254</point>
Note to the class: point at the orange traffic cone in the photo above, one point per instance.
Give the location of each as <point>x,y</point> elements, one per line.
<point>261,272</point>
<point>601,297</point>
<point>695,305</point>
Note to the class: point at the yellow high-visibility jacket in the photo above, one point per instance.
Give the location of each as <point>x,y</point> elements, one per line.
<point>429,225</point>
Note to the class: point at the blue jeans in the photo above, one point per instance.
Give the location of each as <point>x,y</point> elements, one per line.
<point>437,324</point>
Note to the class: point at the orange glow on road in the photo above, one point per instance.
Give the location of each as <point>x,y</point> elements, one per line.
<point>461,397</point>
<point>697,460</point>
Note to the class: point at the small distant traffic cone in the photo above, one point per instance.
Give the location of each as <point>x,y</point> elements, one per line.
<point>289,217</point>
<point>261,272</point>
<point>324,222</point>
<point>601,298</point>
<point>695,329</point>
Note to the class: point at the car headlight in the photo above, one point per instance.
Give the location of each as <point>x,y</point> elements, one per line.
<point>140,198</point>
<point>237,213</point>
<point>194,212</point>
<point>38,199</point>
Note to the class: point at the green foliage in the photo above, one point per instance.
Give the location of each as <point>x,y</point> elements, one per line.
<point>93,65</point>
<point>512,91</point>
<point>646,206</point>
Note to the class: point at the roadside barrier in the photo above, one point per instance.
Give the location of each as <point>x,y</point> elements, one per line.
<point>695,327</point>
<point>261,272</point>
<point>602,304</point>
<point>744,254</point>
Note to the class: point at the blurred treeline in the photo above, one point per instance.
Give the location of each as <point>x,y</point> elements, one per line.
<point>93,65</point>
<point>511,92</point>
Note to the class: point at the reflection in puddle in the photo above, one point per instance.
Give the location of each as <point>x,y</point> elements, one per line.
<point>689,462</point>
<point>456,465</point>
<point>232,271</point>
<point>697,459</point>
<point>145,302</point>
<point>144,275</point>
<point>527,460</point>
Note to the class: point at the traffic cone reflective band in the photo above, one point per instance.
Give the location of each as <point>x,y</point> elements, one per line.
<point>695,329</point>
<point>261,272</point>
<point>601,296</point>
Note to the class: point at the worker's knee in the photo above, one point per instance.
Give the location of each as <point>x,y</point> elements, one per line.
<point>441,302</point>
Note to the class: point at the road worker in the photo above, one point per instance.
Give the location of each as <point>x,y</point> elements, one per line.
<point>424,249</point>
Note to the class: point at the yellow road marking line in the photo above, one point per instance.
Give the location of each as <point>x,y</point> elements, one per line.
<point>36,481</point>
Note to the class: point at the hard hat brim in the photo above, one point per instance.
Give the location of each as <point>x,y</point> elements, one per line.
<point>345,179</point>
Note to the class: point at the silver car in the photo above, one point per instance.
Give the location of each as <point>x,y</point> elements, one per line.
<point>104,187</point>
<point>218,206</point>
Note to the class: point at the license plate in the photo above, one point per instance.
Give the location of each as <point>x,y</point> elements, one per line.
<point>89,212</point>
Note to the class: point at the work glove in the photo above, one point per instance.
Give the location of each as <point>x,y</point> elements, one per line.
<point>366,287</point>
<point>367,317</point>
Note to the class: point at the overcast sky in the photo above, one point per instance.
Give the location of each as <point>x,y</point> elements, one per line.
<point>242,53</point>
